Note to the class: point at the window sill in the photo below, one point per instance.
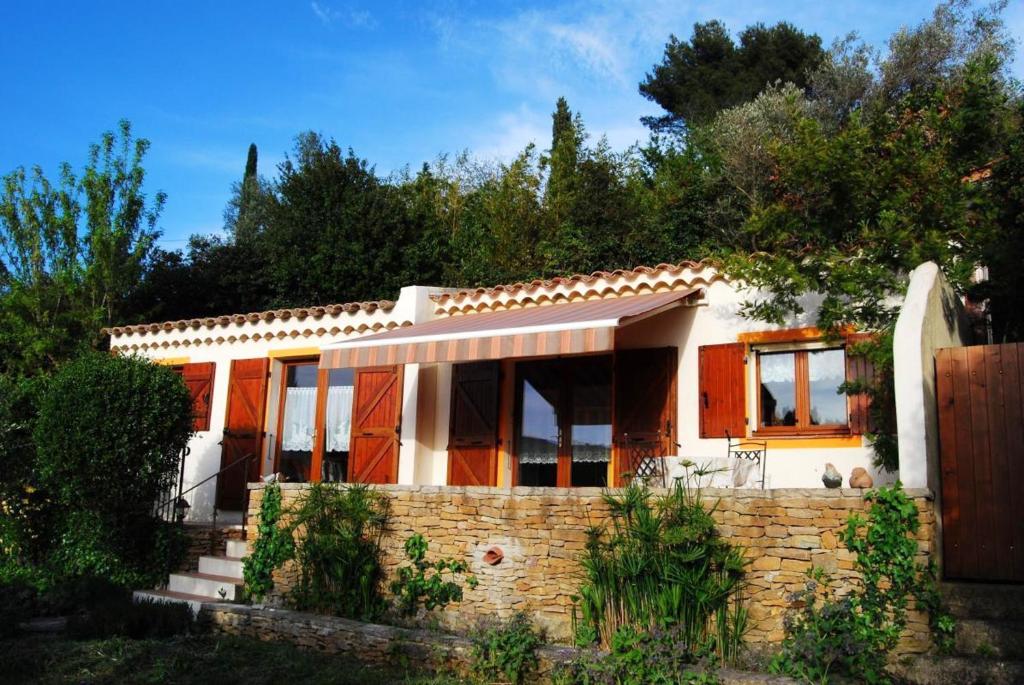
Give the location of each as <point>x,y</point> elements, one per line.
<point>790,434</point>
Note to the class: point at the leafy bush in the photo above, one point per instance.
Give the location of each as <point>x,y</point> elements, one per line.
<point>274,545</point>
<point>658,657</point>
<point>854,635</point>
<point>425,580</point>
<point>108,438</point>
<point>17,606</point>
<point>505,651</point>
<point>123,617</point>
<point>338,550</point>
<point>662,565</point>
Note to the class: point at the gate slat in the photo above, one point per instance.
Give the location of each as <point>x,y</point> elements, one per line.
<point>983,496</point>
<point>952,532</point>
<point>1013,397</point>
<point>965,463</point>
<point>998,462</point>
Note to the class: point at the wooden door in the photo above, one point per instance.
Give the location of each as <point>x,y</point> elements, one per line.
<point>243,430</point>
<point>473,425</point>
<point>645,398</point>
<point>980,396</point>
<point>376,425</point>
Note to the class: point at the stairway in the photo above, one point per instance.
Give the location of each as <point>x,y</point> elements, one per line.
<point>219,579</point>
<point>989,648</point>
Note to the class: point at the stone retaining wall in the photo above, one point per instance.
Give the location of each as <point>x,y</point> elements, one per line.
<point>203,539</point>
<point>542,531</point>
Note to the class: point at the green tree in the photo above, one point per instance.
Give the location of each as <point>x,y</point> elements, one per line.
<point>73,251</point>
<point>698,78</point>
<point>251,204</point>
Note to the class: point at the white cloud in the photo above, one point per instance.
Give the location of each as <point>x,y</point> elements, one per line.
<point>350,17</point>
<point>511,133</point>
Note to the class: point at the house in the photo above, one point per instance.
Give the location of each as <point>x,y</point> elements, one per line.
<point>554,383</point>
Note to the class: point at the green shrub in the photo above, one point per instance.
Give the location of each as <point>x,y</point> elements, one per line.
<point>658,657</point>
<point>854,635</point>
<point>26,511</point>
<point>274,545</point>
<point>108,439</point>
<point>338,550</point>
<point>424,581</point>
<point>18,605</point>
<point>505,651</point>
<point>123,617</point>
<point>662,565</point>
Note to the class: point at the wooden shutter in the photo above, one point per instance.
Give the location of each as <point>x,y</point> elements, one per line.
<point>243,430</point>
<point>376,425</point>
<point>645,397</point>
<point>199,379</point>
<point>473,432</point>
<point>859,368</point>
<point>722,391</point>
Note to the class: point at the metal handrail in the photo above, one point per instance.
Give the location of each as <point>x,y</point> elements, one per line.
<point>181,493</point>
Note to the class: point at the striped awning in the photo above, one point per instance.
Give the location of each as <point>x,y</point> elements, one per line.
<point>569,328</point>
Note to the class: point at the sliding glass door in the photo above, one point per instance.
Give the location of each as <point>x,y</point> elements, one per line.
<point>315,422</point>
<point>564,422</point>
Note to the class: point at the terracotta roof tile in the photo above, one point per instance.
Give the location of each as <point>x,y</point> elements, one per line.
<point>540,283</point>
<point>299,313</point>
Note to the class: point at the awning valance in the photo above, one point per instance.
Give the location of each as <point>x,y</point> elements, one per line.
<point>570,328</point>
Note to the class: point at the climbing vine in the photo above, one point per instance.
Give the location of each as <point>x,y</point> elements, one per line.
<point>273,546</point>
<point>432,583</point>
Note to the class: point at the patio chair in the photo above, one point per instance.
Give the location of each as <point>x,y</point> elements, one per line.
<point>755,451</point>
<point>645,457</point>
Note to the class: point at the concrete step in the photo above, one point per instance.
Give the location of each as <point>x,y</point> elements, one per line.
<point>217,588</point>
<point>238,548</point>
<point>984,600</point>
<point>989,638</point>
<point>221,566</point>
<point>193,601</point>
<point>941,670</point>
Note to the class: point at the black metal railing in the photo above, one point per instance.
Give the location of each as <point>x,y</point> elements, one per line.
<point>166,509</point>
<point>175,508</point>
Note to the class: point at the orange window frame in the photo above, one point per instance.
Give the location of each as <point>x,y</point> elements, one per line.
<point>319,418</point>
<point>802,385</point>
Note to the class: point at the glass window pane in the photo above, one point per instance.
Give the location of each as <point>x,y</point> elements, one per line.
<point>778,388</point>
<point>298,422</point>
<point>537,442</point>
<point>827,371</point>
<point>338,425</point>
<point>591,421</point>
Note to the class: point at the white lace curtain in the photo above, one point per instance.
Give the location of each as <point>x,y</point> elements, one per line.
<point>828,365</point>
<point>339,417</point>
<point>300,417</point>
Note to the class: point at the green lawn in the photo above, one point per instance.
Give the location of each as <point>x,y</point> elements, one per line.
<point>197,660</point>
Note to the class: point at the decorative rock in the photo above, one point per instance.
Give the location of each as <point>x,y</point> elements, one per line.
<point>860,478</point>
<point>831,478</point>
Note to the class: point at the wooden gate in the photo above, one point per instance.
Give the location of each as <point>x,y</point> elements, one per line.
<point>980,392</point>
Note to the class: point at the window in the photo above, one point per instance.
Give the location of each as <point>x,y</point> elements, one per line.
<point>564,435</point>
<point>315,424</point>
<point>799,391</point>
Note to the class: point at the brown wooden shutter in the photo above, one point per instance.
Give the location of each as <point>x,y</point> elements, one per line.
<point>199,379</point>
<point>243,430</point>
<point>859,368</point>
<point>645,397</point>
<point>722,390</point>
<point>473,432</point>
<point>376,425</point>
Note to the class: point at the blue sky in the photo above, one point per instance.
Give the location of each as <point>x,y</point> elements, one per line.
<point>399,83</point>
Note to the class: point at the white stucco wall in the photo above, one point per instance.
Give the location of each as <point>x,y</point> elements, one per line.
<point>791,462</point>
<point>932,317</point>
<point>280,338</point>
